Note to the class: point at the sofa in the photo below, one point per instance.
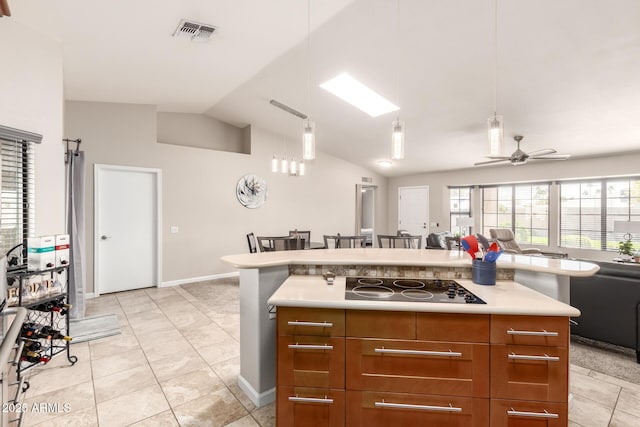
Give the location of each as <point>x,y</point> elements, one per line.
<point>610,305</point>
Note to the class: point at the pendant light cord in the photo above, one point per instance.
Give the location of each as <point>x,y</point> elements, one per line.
<point>495,60</point>
<point>309,57</point>
<point>398,55</point>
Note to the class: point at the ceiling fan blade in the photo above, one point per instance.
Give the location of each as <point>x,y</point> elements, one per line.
<point>551,157</point>
<point>498,157</point>
<point>488,162</point>
<point>542,152</point>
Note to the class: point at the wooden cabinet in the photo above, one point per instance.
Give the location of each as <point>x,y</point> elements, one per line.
<point>517,413</point>
<point>429,367</point>
<point>311,361</point>
<point>370,409</point>
<point>309,407</point>
<point>378,368</point>
<point>310,367</point>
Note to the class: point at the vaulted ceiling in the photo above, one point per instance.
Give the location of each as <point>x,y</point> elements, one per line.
<point>568,72</point>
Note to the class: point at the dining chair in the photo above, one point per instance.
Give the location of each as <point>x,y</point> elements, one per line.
<point>343,242</point>
<point>391,241</point>
<point>280,243</point>
<point>251,239</point>
<point>306,235</point>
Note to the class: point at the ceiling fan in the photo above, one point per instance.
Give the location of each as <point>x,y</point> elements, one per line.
<point>519,157</point>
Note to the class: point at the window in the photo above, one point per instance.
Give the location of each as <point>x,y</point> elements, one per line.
<point>523,208</point>
<point>18,200</point>
<point>588,210</point>
<point>459,206</point>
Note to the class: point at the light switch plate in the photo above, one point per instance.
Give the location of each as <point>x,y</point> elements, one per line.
<point>174,229</point>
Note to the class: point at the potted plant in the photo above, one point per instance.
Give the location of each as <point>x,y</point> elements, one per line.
<point>625,249</point>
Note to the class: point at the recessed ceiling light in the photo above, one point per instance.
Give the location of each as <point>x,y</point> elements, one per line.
<point>357,94</point>
<point>385,163</point>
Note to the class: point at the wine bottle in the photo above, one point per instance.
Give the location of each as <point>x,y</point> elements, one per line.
<point>33,331</point>
<point>32,345</point>
<point>54,333</point>
<point>34,357</point>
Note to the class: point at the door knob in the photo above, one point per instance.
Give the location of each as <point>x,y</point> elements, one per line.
<point>103,237</point>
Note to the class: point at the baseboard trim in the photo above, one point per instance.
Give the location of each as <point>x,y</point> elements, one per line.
<point>258,399</point>
<point>198,279</point>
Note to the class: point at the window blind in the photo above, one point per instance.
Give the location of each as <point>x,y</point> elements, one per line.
<point>17,214</point>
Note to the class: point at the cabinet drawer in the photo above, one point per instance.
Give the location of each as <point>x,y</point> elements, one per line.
<point>452,327</point>
<point>515,413</point>
<point>381,324</point>
<point>302,407</point>
<point>372,409</point>
<point>310,321</point>
<point>423,367</point>
<point>311,361</point>
<point>530,330</point>
<point>529,373</point>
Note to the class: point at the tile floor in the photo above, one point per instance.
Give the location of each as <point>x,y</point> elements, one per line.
<point>177,360</point>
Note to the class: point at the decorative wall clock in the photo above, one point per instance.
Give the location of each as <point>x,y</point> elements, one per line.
<point>251,191</point>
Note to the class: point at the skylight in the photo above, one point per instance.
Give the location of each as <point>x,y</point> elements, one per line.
<point>357,94</point>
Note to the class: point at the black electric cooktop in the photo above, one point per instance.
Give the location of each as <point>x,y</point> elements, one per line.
<point>405,289</point>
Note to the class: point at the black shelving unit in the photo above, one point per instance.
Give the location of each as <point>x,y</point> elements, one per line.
<point>49,347</point>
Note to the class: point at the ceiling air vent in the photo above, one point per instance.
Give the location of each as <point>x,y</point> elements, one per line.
<point>194,31</point>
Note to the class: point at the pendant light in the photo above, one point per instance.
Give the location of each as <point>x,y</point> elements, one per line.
<point>309,127</point>
<point>397,127</point>
<point>274,164</point>
<point>301,168</point>
<point>495,123</point>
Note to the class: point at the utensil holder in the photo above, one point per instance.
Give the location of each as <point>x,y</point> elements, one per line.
<point>483,273</point>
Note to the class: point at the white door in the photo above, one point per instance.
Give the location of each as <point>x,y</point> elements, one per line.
<point>127,233</point>
<point>413,210</point>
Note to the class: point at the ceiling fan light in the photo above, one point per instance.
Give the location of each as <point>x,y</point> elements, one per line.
<point>397,140</point>
<point>495,125</point>
<point>309,140</point>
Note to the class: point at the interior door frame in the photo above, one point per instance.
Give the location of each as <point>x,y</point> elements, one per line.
<point>157,173</point>
<point>428,227</point>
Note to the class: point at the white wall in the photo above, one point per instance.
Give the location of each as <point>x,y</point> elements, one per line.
<point>541,171</point>
<point>32,99</point>
<point>199,189</point>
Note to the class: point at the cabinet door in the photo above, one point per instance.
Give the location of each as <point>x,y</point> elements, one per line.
<point>381,324</point>
<point>311,361</point>
<point>530,330</point>
<point>452,327</point>
<point>425,367</point>
<point>529,373</point>
<point>310,321</point>
<point>371,409</point>
<point>309,407</point>
<point>514,413</point>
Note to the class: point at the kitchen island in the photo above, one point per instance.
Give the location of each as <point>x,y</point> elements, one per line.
<point>387,362</point>
<point>263,273</point>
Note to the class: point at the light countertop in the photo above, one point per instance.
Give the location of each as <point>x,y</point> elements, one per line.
<point>407,257</point>
<point>505,297</point>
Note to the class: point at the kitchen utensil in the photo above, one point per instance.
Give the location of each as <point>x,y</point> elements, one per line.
<point>492,256</point>
<point>494,247</point>
<point>483,241</point>
<point>470,244</point>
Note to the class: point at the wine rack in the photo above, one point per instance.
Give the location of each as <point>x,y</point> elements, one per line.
<point>45,331</point>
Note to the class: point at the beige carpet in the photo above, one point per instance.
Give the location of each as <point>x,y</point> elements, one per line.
<point>619,362</point>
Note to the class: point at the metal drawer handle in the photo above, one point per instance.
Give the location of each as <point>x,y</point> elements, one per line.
<point>542,333</point>
<point>316,324</point>
<point>419,352</point>
<point>325,400</point>
<point>449,408</point>
<point>527,357</point>
<point>545,414</point>
<point>311,346</point>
